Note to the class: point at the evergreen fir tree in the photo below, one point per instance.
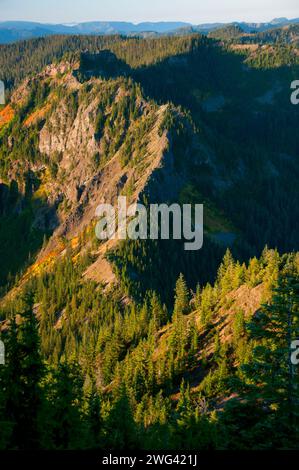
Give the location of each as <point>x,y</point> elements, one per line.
<point>23,374</point>
<point>182,298</point>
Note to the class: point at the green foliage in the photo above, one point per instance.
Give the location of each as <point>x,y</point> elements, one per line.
<point>108,378</point>
<point>181,304</point>
<point>20,380</point>
<point>269,385</point>
<point>146,363</point>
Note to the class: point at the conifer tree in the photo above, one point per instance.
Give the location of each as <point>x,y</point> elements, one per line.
<point>157,311</point>
<point>182,298</point>
<point>225,276</point>
<point>270,387</point>
<point>121,430</point>
<point>23,374</point>
<point>63,409</point>
<point>276,326</point>
<point>93,417</point>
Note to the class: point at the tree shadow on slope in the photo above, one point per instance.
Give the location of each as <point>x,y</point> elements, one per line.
<point>25,222</point>
<point>251,138</point>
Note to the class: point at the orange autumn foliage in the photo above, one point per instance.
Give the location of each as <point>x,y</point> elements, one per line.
<point>6,115</point>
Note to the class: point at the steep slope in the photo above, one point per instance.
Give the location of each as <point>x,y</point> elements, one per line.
<point>83,133</point>
<point>124,350</point>
<point>69,146</point>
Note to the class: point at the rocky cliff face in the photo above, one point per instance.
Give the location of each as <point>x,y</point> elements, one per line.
<point>93,141</point>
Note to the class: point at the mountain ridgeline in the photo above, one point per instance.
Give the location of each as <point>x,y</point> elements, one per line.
<point>11,31</point>
<point>141,344</point>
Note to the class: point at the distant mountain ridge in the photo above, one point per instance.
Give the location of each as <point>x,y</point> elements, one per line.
<point>11,31</point>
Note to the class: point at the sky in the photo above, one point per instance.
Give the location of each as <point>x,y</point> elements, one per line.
<point>192,11</point>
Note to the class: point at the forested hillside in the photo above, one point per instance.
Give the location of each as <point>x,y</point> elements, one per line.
<point>141,344</point>
<point>288,34</point>
<point>87,371</point>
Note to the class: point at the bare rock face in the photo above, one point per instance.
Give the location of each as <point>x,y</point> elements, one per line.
<point>74,138</point>
<point>97,140</point>
<point>85,164</point>
<point>86,188</point>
